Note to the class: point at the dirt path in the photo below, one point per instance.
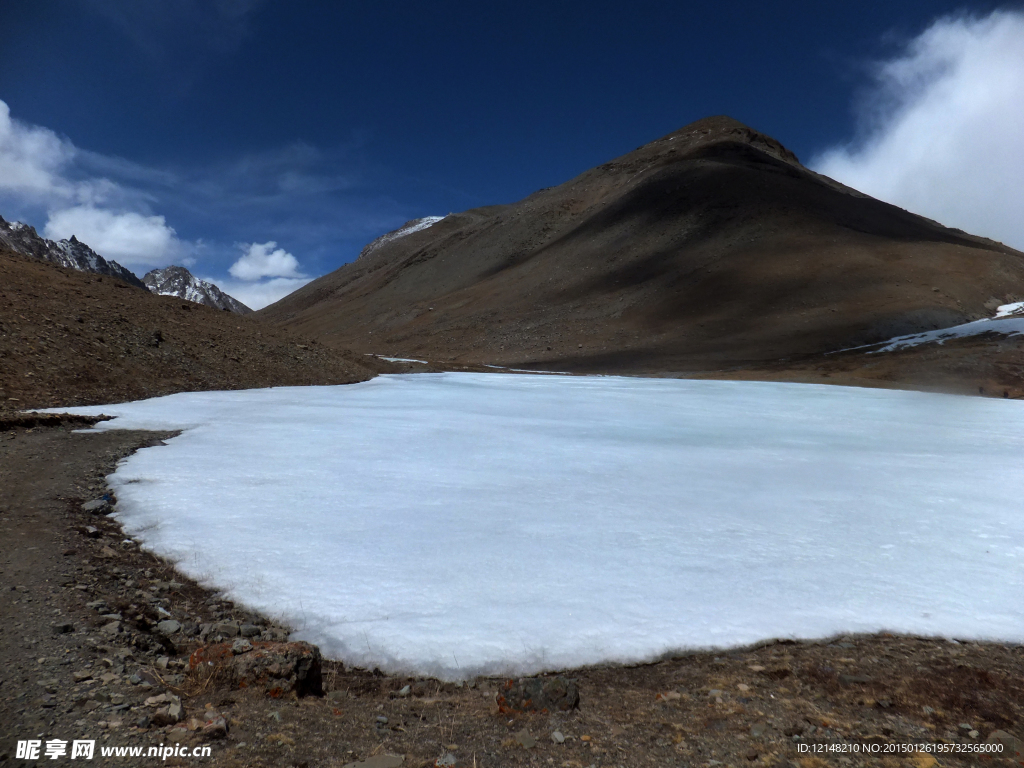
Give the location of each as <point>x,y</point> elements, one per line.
<point>81,652</point>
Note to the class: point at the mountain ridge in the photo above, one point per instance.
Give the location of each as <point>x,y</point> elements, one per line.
<point>71,253</point>
<point>710,248</point>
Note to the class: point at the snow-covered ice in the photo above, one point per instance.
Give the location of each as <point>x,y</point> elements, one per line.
<point>401,360</point>
<point>453,524</point>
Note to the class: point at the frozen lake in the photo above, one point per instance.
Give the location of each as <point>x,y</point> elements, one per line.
<point>455,524</point>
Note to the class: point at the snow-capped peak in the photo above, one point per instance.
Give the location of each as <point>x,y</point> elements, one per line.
<point>178,281</point>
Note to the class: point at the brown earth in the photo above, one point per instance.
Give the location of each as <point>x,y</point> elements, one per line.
<point>711,249</point>
<point>70,338</point>
<point>67,667</point>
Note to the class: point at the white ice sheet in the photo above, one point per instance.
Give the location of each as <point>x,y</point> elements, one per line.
<point>454,524</point>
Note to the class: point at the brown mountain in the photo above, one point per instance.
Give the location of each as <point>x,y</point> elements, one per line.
<point>711,248</point>
<point>68,337</point>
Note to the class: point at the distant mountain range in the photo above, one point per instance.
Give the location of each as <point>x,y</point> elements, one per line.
<point>74,254</point>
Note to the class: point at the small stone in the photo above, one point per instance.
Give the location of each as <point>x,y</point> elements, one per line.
<point>175,709</point>
<point>112,628</point>
<point>382,720</point>
<point>973,734</point>
<point>63,627</point>
<point>1013,748</point>
<point>558,737</point>
<point>854,679</point>
<point>82,675</point>
<point>249,630</point>
<point>525,739</point>
<point>379,761</point>
<point>751,754</point>
<point>168,627</point>
<point>225,629</point>
<point>215,725</point>
<point>447,760</point>
<point>743,687</point>
<point>404,691</point>
<point>162,662</point>
<point>163,717</point>
<point>240,646</point>
<point>142,722</point>
<point>96,506</point>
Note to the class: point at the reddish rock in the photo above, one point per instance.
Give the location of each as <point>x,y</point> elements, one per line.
<point>276,668</point>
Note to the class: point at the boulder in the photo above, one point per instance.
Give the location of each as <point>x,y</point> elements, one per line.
<point>275,668</point>
<point>538,694</point>
<point>1013,748</point>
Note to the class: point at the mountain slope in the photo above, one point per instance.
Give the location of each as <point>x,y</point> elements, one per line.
<point>71,338</point>
<point>73,254</point>
<point>710,248</point>
<point>178,281</point>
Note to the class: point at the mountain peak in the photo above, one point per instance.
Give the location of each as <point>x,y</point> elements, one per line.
<point>178,281</point>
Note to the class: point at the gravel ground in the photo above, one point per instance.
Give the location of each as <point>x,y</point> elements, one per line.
<point>81,653</point>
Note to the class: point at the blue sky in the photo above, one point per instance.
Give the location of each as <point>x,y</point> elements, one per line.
<point>263,143</point>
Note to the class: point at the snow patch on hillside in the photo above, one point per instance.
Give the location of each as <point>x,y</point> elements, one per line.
<point>416,225</point>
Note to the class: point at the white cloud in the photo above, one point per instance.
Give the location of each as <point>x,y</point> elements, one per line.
<point>37,168</point>
<point>257,295</point>
<point>31,159</point>
<point>945,123</point>
<point>265,260</point>
<point>126,237</point>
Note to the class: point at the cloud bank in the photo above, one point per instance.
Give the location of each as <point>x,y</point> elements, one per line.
<point>942,128</point>
<point>38,169</point>
<point>106,203</point>
<point>129,238</point>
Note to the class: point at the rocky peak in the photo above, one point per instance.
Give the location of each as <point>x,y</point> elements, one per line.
<point>178,281</point>
<point>71,253</point>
